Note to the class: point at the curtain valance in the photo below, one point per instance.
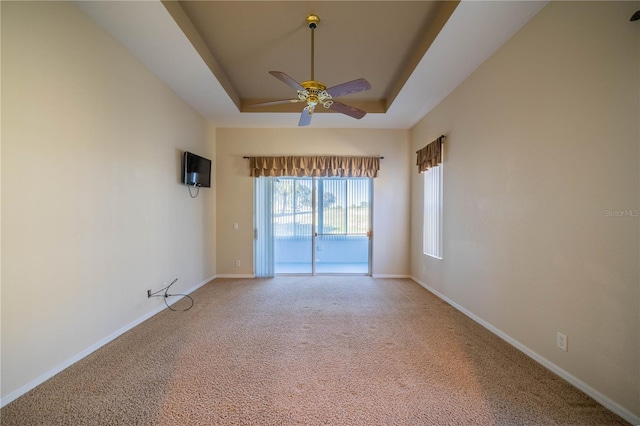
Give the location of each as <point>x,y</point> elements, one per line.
<point>430,156</point>
<point>324,166</point>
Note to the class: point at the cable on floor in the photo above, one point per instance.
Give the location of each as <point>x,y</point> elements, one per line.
<point>166,295</point>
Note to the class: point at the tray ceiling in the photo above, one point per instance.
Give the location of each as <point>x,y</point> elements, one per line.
<point>216,54</point>
<point>380,41</point>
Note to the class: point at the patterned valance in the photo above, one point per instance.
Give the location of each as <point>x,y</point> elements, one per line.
<point>324,166</point>
<point>430,156</point>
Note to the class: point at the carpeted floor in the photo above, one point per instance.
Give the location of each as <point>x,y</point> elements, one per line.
<point>308,351</point>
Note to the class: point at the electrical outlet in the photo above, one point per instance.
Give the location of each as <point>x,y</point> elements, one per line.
<point>561,341</point>
<point>237,263</point>
<point>149,293</point>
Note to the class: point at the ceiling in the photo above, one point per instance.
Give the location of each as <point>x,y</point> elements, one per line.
<point>374,40</point>
<point>216,55</point>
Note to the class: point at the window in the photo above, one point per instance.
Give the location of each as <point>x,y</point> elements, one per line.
<point>432,242</point>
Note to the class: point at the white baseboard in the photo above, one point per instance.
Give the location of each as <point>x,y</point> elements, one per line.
<point>390,276</point>
<point>593,393</point>
<point>235,276</point>
<point>69,362</point>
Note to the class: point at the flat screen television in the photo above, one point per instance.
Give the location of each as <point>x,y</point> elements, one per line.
<point>197,170</point>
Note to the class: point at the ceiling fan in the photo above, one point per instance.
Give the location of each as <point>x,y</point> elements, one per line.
<point>314,92</point>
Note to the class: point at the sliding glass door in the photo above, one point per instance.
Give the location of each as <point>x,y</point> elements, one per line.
<point>318,225</point>
<point>342,230</point>
<point>293,222</point>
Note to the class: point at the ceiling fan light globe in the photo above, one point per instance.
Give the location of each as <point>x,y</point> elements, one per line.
<point>324,95</point>
<point>303,95</point>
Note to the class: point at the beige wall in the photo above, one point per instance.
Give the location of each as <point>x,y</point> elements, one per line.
<point>235,188</point>
<point>542,151</point>
<point>93,212</point>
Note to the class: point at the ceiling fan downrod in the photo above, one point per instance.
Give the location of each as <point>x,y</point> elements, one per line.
<point>314,91</point>
<point>312,21</point>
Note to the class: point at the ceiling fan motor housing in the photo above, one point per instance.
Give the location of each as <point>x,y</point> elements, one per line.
<point>314,93</point>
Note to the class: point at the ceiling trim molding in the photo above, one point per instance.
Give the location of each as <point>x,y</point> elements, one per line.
<point>185,24</point>
<point>430,33</point>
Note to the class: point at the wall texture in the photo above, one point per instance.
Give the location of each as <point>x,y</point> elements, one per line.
<point>541,193</point>
<point>93,212</point>
<point>235,188</point>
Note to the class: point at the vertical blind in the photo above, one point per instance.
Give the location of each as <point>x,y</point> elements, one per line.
<point>432,243</point>
<point>263,248</point>
<point>343,206</point>
<point>429,160</point>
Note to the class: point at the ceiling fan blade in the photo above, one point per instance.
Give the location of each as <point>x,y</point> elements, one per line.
<point>348,110</point>
<point>354,86</point>
<point>286,80</point>
<point>282,101</point>
<point>305,117</point>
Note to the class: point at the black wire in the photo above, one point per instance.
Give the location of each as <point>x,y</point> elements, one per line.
<point>197,191</point>
<point>184,295</point>
<point>166,294</point>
